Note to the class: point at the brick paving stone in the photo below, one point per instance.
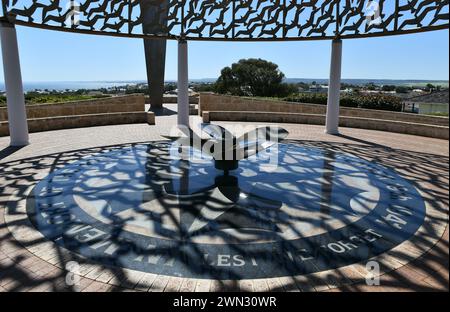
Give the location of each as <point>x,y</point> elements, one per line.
<point>106,276</point>
<point>159,284</point>
<point>82,284</point>
<point>303,283</point>
<point>33,268</point>
<point>274,285</point>
<point>96,272</point>
<point>47,271</point>
<point>203,286</point>
<point>289,284</point>
<point>38,265</point>
<point>174,284</point>
<point>411,273</point>
<point>130,279</point>
<point>229,286</point>
<point>188,285</point>
<point>321,282</point>
<point>9,282</point>
<point>436,284</point>
<point>6,262</point>
<point>216,286</point>
<point>61,285</point>
<point>260,285</point>
<point>146,282</point>
<point>43,287</point>
<point>429,266</point>
<point>397,283</point>
<point>351,274</point>
<point>27,261</point>
<point>97,287</point>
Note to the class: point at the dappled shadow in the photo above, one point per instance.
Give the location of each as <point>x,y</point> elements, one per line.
<point>163,111</point>
<point>428,173</point>
<point>9,151</point>
<point>357,140</point>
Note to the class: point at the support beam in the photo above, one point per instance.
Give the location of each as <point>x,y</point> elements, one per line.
<point>183,84</point>
<point>17,116</point>
<point>334,91</point>
<point>155,19</point>
<point>155,58</point>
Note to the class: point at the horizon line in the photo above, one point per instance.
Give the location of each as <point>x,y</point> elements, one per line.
<point>174,80</point>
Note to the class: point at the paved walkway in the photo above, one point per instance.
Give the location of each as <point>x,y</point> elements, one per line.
<point>28,262</point>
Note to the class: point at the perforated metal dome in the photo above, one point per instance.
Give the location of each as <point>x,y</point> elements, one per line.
<point>244,20</point>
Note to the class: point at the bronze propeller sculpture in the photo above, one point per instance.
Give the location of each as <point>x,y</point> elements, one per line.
<point>226,149</point>
<point>238,207</point>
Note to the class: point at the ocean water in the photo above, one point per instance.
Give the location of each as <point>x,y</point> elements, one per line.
<point>90,85</point>
<point>72,85</point>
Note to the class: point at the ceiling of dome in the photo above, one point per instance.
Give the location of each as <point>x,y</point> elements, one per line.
<point>245,20</point>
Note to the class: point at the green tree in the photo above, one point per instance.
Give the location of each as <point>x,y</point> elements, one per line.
<point>170,87</point>
<point>253,77</point>
<point>371,86</point>
<point>388,88</point>
<point>430,87</point>
<point>402,89</point>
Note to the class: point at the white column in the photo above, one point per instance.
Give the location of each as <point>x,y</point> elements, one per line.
<point>183,84</point>
<point>334,91</point>
<point>17,116</point>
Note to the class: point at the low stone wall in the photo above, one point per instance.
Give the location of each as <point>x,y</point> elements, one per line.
<point>212,102</point>
<point>99,112</point>
<point>4,130</point>
<point>82,121</point>
<point>433,131</point>
<point>229,108</point>
<point>174,99</point>
<point>114,104</point>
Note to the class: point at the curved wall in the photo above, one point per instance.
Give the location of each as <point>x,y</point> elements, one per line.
<point>229,108</point>
<point>115,110</point>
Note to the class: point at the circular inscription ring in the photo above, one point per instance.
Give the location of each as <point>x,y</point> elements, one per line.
<point>139,208</point>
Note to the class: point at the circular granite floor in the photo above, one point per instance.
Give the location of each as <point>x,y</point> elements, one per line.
<point>358,200</point>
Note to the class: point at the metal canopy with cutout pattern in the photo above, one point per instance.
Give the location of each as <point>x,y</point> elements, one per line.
<point>239,20</point>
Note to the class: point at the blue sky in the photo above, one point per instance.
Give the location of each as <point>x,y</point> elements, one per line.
<point>58,56</point>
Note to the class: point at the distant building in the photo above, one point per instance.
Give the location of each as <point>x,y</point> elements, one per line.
<point>175,92</point>
<point>318,89</point>
<point>43,92</point>
<point>431,103</point>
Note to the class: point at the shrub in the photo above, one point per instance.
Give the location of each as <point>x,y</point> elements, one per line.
<point>35,98</point>
<point>371,101</point>
<point>32,98</point>
<point>380,102</point>
<point>312,98</point>
<point>402,90</point>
